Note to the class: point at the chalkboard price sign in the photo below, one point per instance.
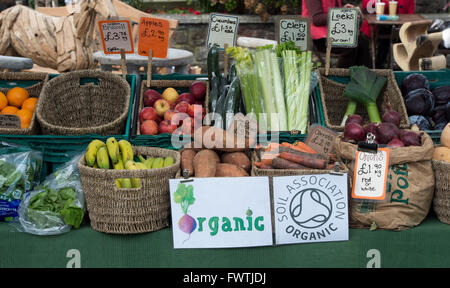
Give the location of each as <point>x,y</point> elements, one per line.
<point>343,27</point>
<point>116,35</point>
<point>222,30</point>
<point>294,29</point>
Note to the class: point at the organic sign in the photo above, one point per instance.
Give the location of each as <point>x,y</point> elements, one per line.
<point>221,212</point>
<point>370,176</point>
<point>310,208</point>
<point>294,29</point>
<point>222,30</point>
<point>9,121</point>
<point>153,35</point>
<point>321,139</point>
<point>116,35</point>
<point>343,27</point>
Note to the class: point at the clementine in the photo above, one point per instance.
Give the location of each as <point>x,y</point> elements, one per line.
<point>11,110</point>
<point>3,101</point>
<point>30,104</point>
<point>25,117</point>
<point>16,96</point>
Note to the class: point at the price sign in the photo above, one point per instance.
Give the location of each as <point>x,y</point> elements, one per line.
<point>343,27</point>
<point>116,35</point>
<point>294,29</point>
<point>321,139</point>
<point>370,176</point>
<point>9,121</point>
<point>153,35</point>
<point>222,30</point>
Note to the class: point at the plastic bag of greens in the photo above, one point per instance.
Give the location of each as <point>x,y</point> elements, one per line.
<point>56,205</point>
<point>20,169</point>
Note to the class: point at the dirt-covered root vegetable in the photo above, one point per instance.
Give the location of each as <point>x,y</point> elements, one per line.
<point>239,159</point>
<point>187,161</point>
<point>205,162</point>
<point>229,170</point>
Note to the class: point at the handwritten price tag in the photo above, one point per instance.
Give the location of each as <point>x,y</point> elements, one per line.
<point>370,176</point>
<point>343,27</point>
<point>153,35</point>
<point>222,30</point>
<point>321,139</point>
<point>294,29</point>
<point>116,35</point>
<point>9,121</point>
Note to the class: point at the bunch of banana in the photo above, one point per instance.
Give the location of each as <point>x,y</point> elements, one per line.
<point>158,162</point>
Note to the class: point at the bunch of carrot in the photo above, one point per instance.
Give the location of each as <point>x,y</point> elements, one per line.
<point>293,156</point>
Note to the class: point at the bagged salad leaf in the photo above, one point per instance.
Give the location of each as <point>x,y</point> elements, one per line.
<point>20,169</point>
<point>56,205</point>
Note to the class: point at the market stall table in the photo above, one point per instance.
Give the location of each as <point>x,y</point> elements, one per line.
<point>372,21</point>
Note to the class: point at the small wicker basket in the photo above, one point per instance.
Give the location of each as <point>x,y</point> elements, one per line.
<point>129,211</point>
<point>441,200</point>
<point>334,103</point>
<point>84,102</point>
<point>37,82</point>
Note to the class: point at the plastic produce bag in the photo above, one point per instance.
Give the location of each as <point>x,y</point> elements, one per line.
<point>20,169</point>
<point>56,205</point>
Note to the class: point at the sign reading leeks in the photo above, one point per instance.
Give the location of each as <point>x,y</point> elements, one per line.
<point>294,29</point>
<point>222,30</point>
<point>343,27</point>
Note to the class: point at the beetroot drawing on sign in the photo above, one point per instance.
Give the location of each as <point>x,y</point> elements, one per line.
<point>185,197</point>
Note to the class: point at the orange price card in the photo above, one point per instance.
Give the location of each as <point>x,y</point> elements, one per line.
<point>116,35</point>
<point>153,35</point>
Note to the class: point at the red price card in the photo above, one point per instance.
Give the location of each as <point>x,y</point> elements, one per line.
<point>153,35</point>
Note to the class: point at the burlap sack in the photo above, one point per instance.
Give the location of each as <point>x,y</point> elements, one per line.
<point>410,188</point>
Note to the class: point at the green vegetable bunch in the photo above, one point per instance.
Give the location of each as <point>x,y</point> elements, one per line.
<point>184,196</point>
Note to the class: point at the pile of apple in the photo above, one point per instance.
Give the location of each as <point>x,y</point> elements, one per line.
<point>171,112</point>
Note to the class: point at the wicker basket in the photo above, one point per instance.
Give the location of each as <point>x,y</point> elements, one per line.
<point>129,211</point>
<point>84,102</point>
<point>162,84</point>
<point>334,103</point>
<point>34,88</point>
<point>441,200</point>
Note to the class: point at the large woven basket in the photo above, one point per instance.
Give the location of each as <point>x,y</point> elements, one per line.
<point>334,103</point>
<point>84,102</point>
<point>33,83</point>
<point>441,200</point>
<point>129,211</point>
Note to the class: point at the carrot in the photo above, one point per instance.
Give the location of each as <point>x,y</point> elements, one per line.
<point>280,163</point>
<point>299,148</point>
<point>305,147</point>
<point>304,160</point>
<point>272,146</point>
<point>267,158</point>
<point>261,165</point>
<point>301,153</point>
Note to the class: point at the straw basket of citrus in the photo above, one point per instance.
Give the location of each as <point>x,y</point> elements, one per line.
<point>19,96</point>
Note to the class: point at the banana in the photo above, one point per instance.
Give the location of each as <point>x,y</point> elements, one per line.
<point>158,163</point>
<point>168,161</point>
<point>95,165</point>
<point>91,151</point>
<point>140,165</point>
<point>124,182</point>
<point>126,150</point>
<point>118,183</point>
<point>113,149</point>
<point>149,162</point>
<point>141,158</point>
<point>103,158</point>
<point>131,165</point>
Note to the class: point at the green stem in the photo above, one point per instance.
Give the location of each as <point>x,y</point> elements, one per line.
<point>374,114</point>
<point>351,109</point>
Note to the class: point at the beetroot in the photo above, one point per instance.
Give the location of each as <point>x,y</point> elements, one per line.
<point>354,118</point>
<point>198,89</point>
<point>187,224</point>
<point>354,131</point>
<point>391,116</point>
<point>395,143</point>
<point>410,138</point>
<point>386,132</point>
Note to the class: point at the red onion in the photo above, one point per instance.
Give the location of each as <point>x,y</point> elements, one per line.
<point>386,132</point>
<point>354,131</point>
<point>395,143</point>
<point>410,138</point>
<point>354,118</point>
<point>391,116</point>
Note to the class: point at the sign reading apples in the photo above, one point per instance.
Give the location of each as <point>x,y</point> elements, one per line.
<point>172,109</point>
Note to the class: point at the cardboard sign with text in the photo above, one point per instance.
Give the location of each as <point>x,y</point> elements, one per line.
<point>222,30</point>
<point>9,121</point>
<point>321,139</point>
<point>153,35</point>
<point>294,29</point>
<point>221,212</point>
<point>116,35</point>
<point>310,208</point>
<point>343,27</point>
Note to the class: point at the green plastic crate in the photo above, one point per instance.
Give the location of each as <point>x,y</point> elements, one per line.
<point>59,149</point>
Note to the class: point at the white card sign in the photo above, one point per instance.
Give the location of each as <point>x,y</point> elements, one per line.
<point>222,30</point>
<point>221,212</point>
<point>115,36</point>
<point>294,29</point>
<point>310,208</point>
<point>343,27</point>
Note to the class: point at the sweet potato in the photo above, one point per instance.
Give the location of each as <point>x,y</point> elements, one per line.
<point>229,170</point>
<point>261,165</point>
<point>239,159</point>
<point>205,162</point>
<point>187,161</point>
<point>221,140</point>
<point>280,163</point>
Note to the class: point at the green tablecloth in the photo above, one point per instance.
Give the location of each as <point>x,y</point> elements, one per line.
<point>427,245</point>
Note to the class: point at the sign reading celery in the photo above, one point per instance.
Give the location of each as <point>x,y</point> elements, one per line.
<point>294,29</point>
<point>221,212</point>
<point>343,27</point>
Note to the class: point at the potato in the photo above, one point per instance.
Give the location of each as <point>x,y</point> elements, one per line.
<point>239,159</point>
<point>187,161</point>
<point>205,162</point>
<point>221,140</point>
<point>229,170</point>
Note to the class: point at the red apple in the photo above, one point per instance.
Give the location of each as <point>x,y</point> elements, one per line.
<point>167,127</point>
<point>150,97</point>
<point>147,113</point>
<point>188,97</point>
<point>161,106</point>
<point>170,95</point>
<point>169,114</point>
<point>183,107</point>
<point>149,127</point>
<point>178,118</point>
<point>196,111</point>
<point>188,126</point>
<point>198,89</point>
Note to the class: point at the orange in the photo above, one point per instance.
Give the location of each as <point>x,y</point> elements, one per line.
<point>3,101</point>
<point>30,104</point>
<point>9,110</point>
<point>25,117</point>
<point>16,96</point>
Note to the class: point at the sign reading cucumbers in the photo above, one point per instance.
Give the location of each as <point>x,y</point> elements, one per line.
<point>222,30</point>
<point>343,27</point>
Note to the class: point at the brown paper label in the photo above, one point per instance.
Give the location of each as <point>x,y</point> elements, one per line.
<point>9,121</point>
<point>321,139</point>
